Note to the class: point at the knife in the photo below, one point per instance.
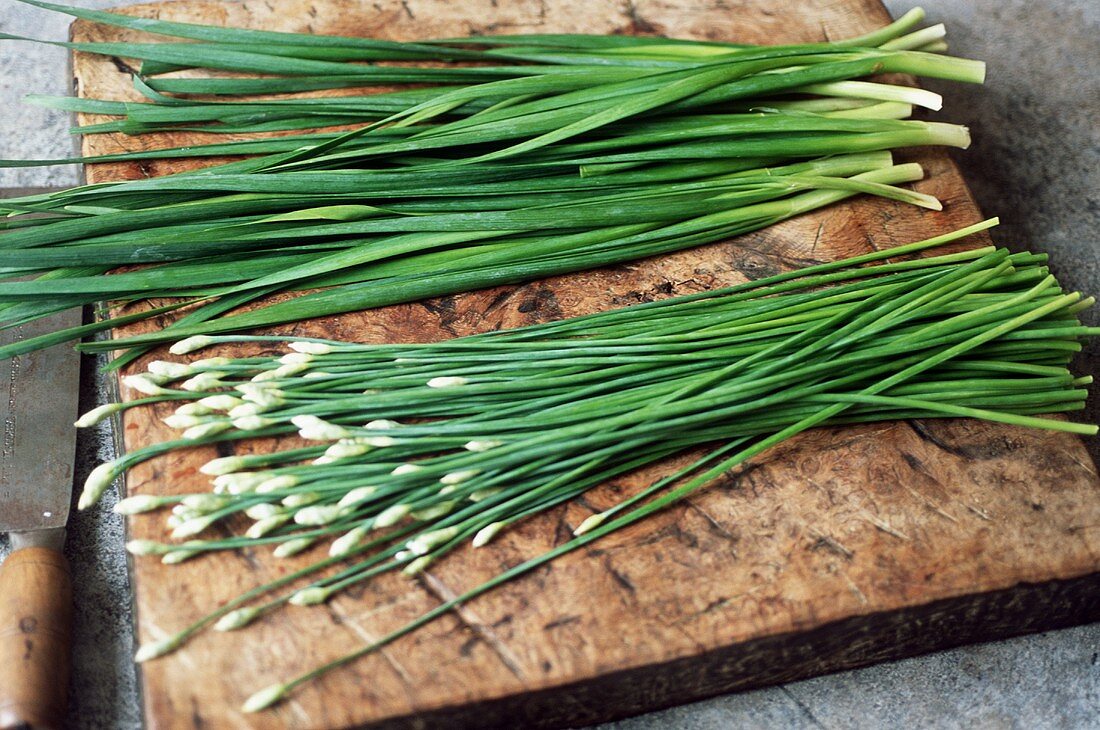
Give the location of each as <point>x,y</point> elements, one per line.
<point>38,403</point>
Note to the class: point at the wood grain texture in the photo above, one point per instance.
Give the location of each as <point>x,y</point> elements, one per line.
<point>841,547</point>
<point>36,617</point>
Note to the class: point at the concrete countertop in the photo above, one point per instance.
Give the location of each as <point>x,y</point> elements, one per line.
<point>1035,162</point>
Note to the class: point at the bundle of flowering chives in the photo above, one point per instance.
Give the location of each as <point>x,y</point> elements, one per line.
<point>585,151</point>
<point>413,450</point>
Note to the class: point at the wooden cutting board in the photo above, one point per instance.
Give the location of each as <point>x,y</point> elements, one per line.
<point>840,548</point>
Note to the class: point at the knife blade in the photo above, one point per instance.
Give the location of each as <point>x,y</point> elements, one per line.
<point>38,403</point>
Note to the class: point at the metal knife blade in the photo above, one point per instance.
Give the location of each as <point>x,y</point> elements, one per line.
<point>38,403</point>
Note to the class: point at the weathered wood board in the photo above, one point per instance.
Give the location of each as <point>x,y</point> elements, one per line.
<point>839,548</point>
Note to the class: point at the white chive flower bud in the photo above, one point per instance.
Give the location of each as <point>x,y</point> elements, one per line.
<point>392,515</point>
<point>252,423</point>
<point>193,526</point>
<point>357,496</point>
<point>418,565</point>
<point>346,450</point>
<point>293,547</point>
<point>301,499</point>
<point>322,460</point>
<point>296,358</point>
<point>144,383</point>
<point>193,409</point>
<point>144,547</point>
<point>262,511</point>
<point>381,424</point>
<point>457,477</point>
<point>205,430</point>
<point>265,698</point>
<point>137,504</point>
<point>487,533</point>
<point>347,542</point>
<point>278,483</point>
<point>312,348</point>
<point>283,371</point>
<point>309,596</point>
<point>591,523</point>
<point>169,369</point>
<point>266,525</point>
<point>190,344</point>
<point>483,445</point>
<point>405,469</point>
<point>247,410</point>
<point>428,541</point>
<point>184,511</point>
<point>207,380</point>
<point>221,402</point>
<point>435,511</point>
<point>380,442</point>
<point>223,465</point>
<point>180,422</point>
<point>314,374</point>
<point>158,648</point>
<point>447,381</point>
<point>237,619</point>
<point>242,482</point>
<point>178,556</point>
<point>97,482</point>
<point>204,502</point>
<point>313,428</point>
<point>211,362</point>
<point>97,414</point>
<point>318,515</point>
<point>482,494</point>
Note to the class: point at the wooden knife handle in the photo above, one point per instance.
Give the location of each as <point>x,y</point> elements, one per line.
<point>36,614</point>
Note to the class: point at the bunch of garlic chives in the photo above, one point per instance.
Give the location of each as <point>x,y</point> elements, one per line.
<point>508,440</point>
<point>606,522</point>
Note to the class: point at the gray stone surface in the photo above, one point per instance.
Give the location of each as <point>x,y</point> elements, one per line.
<point>1035,162</point>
